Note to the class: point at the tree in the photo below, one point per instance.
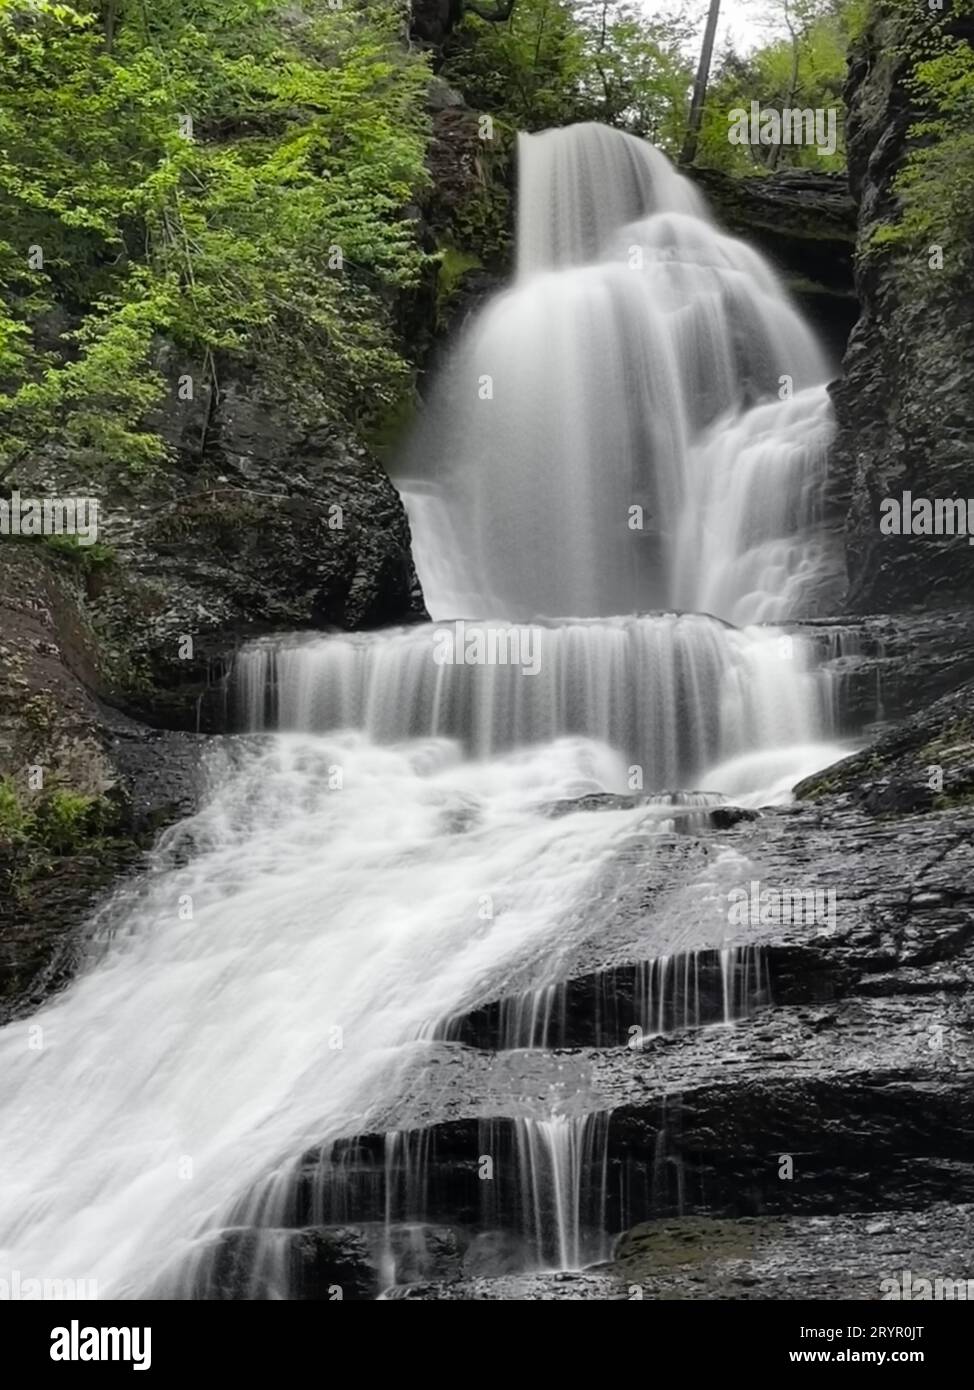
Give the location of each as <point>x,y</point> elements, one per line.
<point>935,186</point>
<point>689,152</point>
<point>800,17</point>
<point>555,63</point>
<point>805,66</point>
<point>229,176</point>
<point>500,11</point>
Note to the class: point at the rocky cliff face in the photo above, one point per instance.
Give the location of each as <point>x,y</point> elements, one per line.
<point>83,789</point>
<point>905,402</point>
<point>256,526</point>
<point>112,657</point>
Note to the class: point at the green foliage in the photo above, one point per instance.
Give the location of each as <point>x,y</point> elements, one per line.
<point>856,18</point>
<point>14,820</point>
<point>935,188</point>
<point>272,227</point>
<point>454,265</point>
<point>59,822</point>
<point>482,222</point>
<point>65,820</point>
<point>87,558</point>
<point>526,67</point>
<point>554,62</point>
<point>805,68</point>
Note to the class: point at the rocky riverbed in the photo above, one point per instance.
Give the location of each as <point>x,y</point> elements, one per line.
<point>814,1145</point>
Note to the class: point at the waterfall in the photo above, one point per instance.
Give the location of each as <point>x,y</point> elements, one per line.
<point>640,423</point>
<point>290,941</point>
<point>579,185</point>
<point>621,1006</point>
<point>674,696</point>
<point>283,1038</point>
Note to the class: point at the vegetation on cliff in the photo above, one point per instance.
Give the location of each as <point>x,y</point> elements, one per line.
<point>230,177</point>
<point>935,186</point>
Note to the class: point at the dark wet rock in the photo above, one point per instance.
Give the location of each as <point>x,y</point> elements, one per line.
<point>327,1265</point>
<point>903,919</point>
<point>803,219</point>
<point>491,1253</point>
<point>49,663</point>
<point>420,1251</point>
<point>925,763</point>
<point>89,787</point>
<point>870,1100</point>
<point>664,894</point>
<point>723,817</point>
<point>163,771</point>
<point>465,221</point>
<point>905,399</point>
<point>522,1287</point>
<point>270,529</point>
<point>688,811</point>
<point>885,667</point>
<point>455,159</point>
<point>256,524</point>
<point>753,1258</point>
<point>48,895</point>
<point>318,1263</point>
<point>314,1264</point>
<point>431,21</point>
<point>849,1086</point>
<point>607,1008</point>
<point>43,907</point>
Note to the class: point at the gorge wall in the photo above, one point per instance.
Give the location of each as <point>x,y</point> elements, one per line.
<point>905,400</point>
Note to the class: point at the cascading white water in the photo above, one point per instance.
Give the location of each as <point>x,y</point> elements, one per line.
<point>675,695</point>
<point>275,978</point>
<point>578,186</point>
<point>658,996</point>
<point>640,423</point>
<point>200,1050</point>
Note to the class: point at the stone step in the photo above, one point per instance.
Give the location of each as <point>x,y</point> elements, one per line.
<point>860,1255</point>
<point>866,1102</point>
<point>617,1006</point>
<point>900,894</point>
<point>887,666</point>
<point>322,1263</point>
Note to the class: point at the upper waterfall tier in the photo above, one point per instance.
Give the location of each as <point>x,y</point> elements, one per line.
<point>579,184</point>
<point>647,429</point>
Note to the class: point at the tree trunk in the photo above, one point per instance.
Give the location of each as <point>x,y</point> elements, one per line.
<point>700,85</point>
<point>775,153</point>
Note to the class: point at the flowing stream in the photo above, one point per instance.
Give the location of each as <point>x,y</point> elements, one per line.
<point>617,480</point>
